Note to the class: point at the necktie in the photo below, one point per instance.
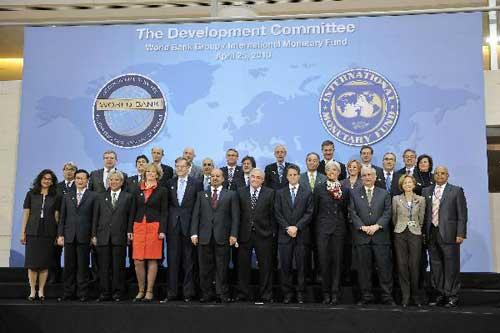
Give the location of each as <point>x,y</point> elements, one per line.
<point>230,175</point>
<point>253,200</point>
<point>180,190</point>
<point>113,199</point>
<point>435,205</point>
<point>369,195</point>
<point>388,181</point>
<point>281,168</point>
<point>78,198</point>
<point>408,171</point>
<point>312,181</point>
<point>214,199</point>
<point>293,195</point>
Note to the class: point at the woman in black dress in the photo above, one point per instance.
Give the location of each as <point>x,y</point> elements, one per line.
<point>39,230</point>
<point>423,173</point>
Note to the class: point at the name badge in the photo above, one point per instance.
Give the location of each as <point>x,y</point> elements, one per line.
<point>412,224</point>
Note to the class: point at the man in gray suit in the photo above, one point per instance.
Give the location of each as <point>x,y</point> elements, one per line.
<point>214,228</point>
<point>194,170</point>
<point>311,179</point>
<point>370,210</point>
<point>446,229</point>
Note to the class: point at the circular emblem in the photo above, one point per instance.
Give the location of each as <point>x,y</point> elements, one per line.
<point>129,111</point>
<point>359,107</point>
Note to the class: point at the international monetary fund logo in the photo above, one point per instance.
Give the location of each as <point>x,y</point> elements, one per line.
<point>129,111</point>
<point>359,107</point>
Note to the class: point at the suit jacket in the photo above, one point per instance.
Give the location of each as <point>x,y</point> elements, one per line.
<point>401,214</point>
<point>304,180</point>
<point>330,214</point>
<point>155,209</point>
<point>196,171</point>
<point>96,182</point>
<point>238,178</point>
<point>62,188</point>
<point>132,184</point>
<point>262,215</point>
<point>168,173</point>
<point>272,179</point>
<point>221,222</point>
<point>347,184</point>
<point>201,179</point>
<point>298,214</point>
<point>33,202</point>
<point>394,187</point>
<point>364,214</point>
<point>182,213</point>
<point>110,225</point>
<point>343,172</point>
<point>76,220</point>
<point>452,212</point>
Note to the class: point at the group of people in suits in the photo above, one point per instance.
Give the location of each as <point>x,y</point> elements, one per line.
<point>324,222</point>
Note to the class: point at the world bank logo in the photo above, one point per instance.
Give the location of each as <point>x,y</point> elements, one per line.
<point>359,107</point>
<point>129,111</point>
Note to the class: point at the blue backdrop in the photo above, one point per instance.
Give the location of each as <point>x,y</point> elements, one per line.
<point>251,85</point>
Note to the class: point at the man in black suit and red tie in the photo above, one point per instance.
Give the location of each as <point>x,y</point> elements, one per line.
<point>157,154</point>
<point>182,191</point>
<point>63,187</point>
<point>233,174</point>
<point>214,228</point>
<point>293,209</point>
<point>446,229</point>
<point>275,172</point>
<point>74,232</point>
<point>328,150</point>
<point>113,215</point>
<point>257,227</point>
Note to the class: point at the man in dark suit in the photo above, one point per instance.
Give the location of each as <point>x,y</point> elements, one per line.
<point>207,167</point>
<point>328,149</point>
<point>390,179</point>
<point>446,229</point>
<point>370,211</point>
<point>366,156</point>
<point>214,228</point>
<point>194,170</point>
<point>182,191</point>
<point>311,179</point>
<point>63,187</point>
<point>257,226</point>
<point>113,214</point>
<point>233,174</point>
<point>247,165</point>
<point>275,172</point>
<point>74,232</point>
<point>98,183</point>
<point>410,160</point>
<point>293,208</point>
<point>157,154</point>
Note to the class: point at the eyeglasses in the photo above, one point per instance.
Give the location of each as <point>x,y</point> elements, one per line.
<point>207,164</point>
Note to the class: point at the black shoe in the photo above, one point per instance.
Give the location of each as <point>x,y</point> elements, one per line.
<point>169,299</point>
<point>389,301</point>
<point>64,298</point>
<point>334,300</point>
<point>404,305</point>
<point>326,299</point>
<point>287,299</point>
<point>83,299</point>
<point>188,299</point>
<point>41,298</point>
<point>117,297</point>
<point>268,300</point>
<point>225,300</point>
<point>31,298</point>
<point>364,301</point>
<point>452,303</point>
<point>206,299</point>
<point>103,298</point>
<point>439,301</point>
<point>300,298</point>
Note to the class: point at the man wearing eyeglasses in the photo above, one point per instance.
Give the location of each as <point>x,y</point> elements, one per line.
<point>390,179</point>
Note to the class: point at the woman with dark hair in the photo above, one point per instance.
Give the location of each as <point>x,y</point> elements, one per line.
<point>39,230</point>
<point>423,173</point>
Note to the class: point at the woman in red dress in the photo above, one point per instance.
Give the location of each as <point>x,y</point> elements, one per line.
<point>148,230</point>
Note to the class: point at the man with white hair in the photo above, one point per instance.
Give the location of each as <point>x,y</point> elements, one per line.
<point>275,173</point>
<point>194,170</point>
<point>370,211</point>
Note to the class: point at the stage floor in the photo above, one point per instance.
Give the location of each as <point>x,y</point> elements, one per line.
<point>23,316</point>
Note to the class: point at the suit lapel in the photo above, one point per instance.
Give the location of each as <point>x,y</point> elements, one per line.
<point>186,190</point>
<point>108,200</point>
<point>444,195</point>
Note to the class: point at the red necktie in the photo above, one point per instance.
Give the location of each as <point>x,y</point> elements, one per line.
<point>214,199</point>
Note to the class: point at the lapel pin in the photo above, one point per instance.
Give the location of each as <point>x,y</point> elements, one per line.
<point>206,195</point>
<point>172,188</point>
<point>106,199</point>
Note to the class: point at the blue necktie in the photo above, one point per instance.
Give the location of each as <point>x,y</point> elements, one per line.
<point>293,195</point>
<point>281,168</point>
<point>180,190</point>
<point>388,182</point>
